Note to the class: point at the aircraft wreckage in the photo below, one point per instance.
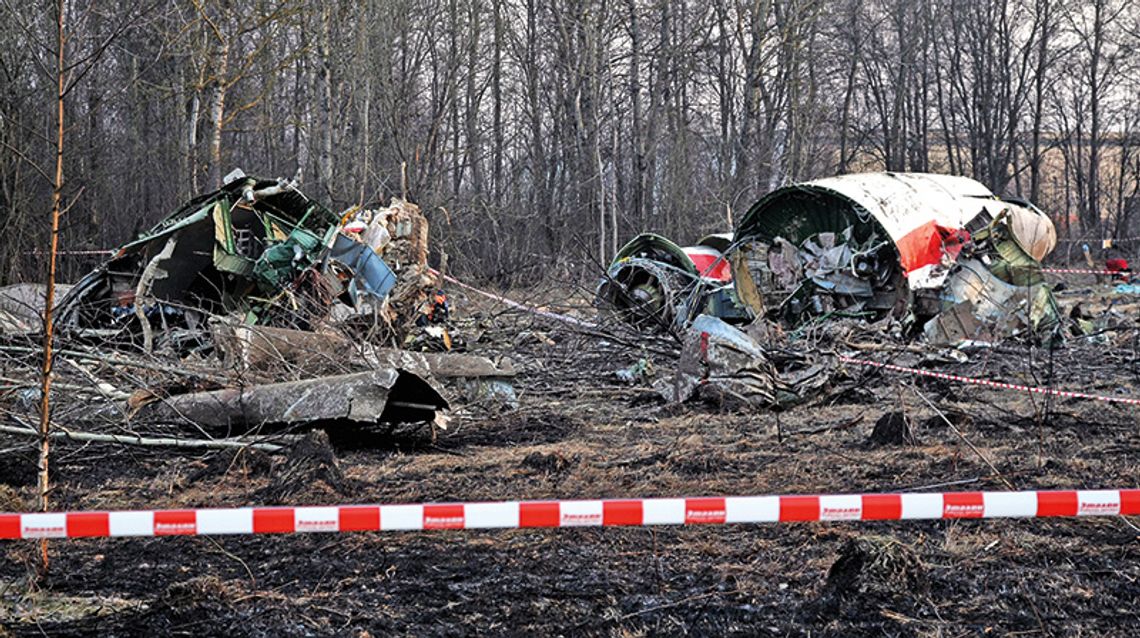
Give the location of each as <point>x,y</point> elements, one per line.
<point>651,277</point>
<point>942,254</point>
<point>238,251</point>
<point>288,297</point>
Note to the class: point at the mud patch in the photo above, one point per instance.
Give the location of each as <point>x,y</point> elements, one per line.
<point>309,473</point>
<point>238,464</point>
<point>518,428</point>
<point>552,463</point>
<point>893,428</point>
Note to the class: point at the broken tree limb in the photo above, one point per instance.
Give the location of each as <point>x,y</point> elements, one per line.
<point>71,387</point>
<point>886,347</point>
<point>215,444</point>
<point>538,312</point>
<point>143,289</point>
<point>113,359</point>
<point>104,388</point>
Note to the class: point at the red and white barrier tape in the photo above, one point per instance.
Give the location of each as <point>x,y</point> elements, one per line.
<point>993,384</point>
<point>594,513</point>
<point>72,252</point>
<point>1082,271</point>
<point>514,304</point>
<point>1094,241</point>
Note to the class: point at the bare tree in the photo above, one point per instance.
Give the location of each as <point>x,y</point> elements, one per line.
<point>541,136</point>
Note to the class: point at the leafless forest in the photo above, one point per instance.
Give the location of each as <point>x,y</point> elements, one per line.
<point>540,134</point>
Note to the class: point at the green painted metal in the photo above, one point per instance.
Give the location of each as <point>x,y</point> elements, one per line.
<point>660,249</point>
<point>799,212</point>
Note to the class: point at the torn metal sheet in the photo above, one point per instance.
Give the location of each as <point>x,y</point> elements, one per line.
<point>370,275</point>
<point>266,348</point>
<point>229,251</point>
<point>471,378</point>
<point>399,234</point>
<point>716,357</point>
<point>279,350</point>
<point>22,307</point>
<point>906,245</point>
<point>718,241</point>
<point>257,249</point>
<point>375,396</point>
<point>722,363</point>
<point>653,282</point>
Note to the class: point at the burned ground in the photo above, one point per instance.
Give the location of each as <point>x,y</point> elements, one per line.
<point>581,432</point>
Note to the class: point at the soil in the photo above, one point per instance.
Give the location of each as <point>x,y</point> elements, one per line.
<point>582,432</point>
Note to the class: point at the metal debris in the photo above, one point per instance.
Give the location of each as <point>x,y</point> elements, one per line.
<point>724,364</point>
<point>906,245</point>
<point>268,309</point>
<point>263,252</point>
<point>652,281</point>
<point>940,255</point>
<point>264,349</point>
<point>389,396</point>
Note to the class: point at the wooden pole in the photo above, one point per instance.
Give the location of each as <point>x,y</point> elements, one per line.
<point>49,303</point>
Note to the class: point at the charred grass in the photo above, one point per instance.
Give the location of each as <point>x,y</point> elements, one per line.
<point>581,433</point>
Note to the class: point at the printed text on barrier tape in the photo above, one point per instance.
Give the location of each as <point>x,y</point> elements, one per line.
<point>993,384</point>
<point>577,513</point>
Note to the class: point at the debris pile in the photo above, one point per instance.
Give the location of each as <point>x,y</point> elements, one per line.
<point>260,251</point>
<point>652,283</point>
<point>255,310</point>
<point>725,365</point>
<point>941,254</point>
<point>919,256</point>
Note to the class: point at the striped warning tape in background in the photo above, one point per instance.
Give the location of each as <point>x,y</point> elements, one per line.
<point>573,513</point>
<point>987,382</point>
<point>71,252</point>
<point>514,304</point>
<point>1095,241</point>
<point>1084,271</point>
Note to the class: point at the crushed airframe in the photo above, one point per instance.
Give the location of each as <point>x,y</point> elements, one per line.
<point>285,294</point>
<point>941,254</point>
<point>652,282</point>
<point>252,248</point>
<point>931,256</point>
